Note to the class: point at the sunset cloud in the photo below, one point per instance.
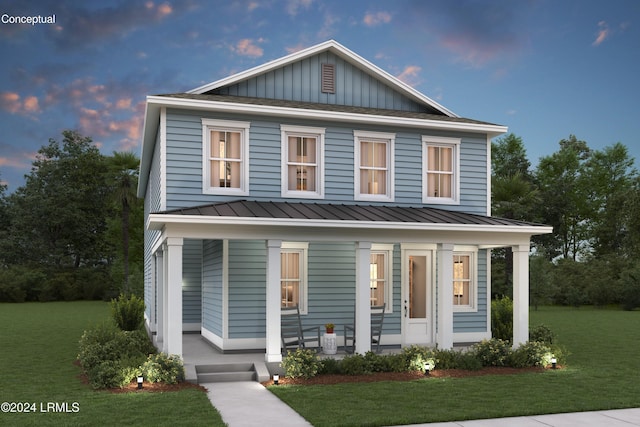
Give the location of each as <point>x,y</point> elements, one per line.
<point>410,75</point>
<point>15,104</point>
<point>247,47</point>
<point>293,6</point>
<point>373,19</point>
<point>602,34</point>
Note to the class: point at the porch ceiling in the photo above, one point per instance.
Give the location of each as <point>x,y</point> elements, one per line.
<point>333,222</point>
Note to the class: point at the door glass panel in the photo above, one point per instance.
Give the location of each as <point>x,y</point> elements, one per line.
<point>417,287</point>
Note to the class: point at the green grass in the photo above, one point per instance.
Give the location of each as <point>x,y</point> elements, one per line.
<point>604,361</point>
<point>39,343</point>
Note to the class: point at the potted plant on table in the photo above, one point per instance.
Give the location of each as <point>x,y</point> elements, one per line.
<point>329,327</point>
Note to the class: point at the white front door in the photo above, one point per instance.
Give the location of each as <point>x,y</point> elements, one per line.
<point>417,301</point>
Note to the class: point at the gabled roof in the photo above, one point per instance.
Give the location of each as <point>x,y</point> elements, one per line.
<point>339,50</point>
<point>331,212</point>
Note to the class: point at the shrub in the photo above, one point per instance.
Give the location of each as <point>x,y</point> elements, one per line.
<point>128,312</point>
<point>301,363</point>
<point>329,366</point>
<point>416,356</point>
<point>163,368</point>
<point>502,318</point>
<point>493,352</point>
<point>531,353</point>
<point>543,334</point>
<point>110,356</point>
<point>355,364</point>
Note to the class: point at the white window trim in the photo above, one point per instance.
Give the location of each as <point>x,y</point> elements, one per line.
<point>225,125</point>
<point>286,131</point>
<point>439,141</point>
<point>388,250</point>
<point>472,252</point>
<point>388,138</point>
<point>303,249</point>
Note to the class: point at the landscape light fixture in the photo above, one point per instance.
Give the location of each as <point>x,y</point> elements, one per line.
<point>140,381</point>
<point>553,363</point>
<point>427,369</point>
<point>276,379</point>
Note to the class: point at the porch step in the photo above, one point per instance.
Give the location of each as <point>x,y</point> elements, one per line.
<point>226,372</point>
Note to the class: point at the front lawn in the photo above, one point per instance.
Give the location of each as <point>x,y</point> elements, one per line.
<point>39,346</point>
<point>604,347</point>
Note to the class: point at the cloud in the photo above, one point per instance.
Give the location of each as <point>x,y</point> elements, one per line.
<point>602,34</point>
<point>78,26</point>
<point>247,47</point>
<point>410,75</point>
<point>13,103</point>
<point>293,6</point>
<point>374,19</point>
<point>476,32</point>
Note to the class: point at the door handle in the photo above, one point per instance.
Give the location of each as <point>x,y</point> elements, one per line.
<point>405,308</point>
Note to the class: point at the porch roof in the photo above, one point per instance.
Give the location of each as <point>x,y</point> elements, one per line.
<point>346,212</point>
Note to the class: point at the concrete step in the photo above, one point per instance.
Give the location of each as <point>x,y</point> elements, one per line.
<point>227,372</point>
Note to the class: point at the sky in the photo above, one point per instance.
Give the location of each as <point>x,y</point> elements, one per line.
<point>547,69</point>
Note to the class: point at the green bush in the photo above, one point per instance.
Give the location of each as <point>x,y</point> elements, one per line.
<point>355,364</point>
<point>128,312</point>
<point>163,368</point>
<point>493,352</point>
<point>329,366</point>
<point>543,334</point>
<point>301,363</point>
<point>531,353</point>
<point>111,356</point>
<point>502,318</point>
<point>416,356</point>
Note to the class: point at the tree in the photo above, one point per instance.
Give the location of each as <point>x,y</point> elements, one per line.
<point>513,196</point>
<point>565,195</point>
<point>123,168</point>
<point>58,216</point>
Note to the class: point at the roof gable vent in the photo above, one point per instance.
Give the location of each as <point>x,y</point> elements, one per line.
<point>328,78</point>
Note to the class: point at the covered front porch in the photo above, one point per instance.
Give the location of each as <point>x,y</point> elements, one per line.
<point>432,233</point>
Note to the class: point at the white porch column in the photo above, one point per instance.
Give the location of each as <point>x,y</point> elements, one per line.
<point>363,297</point>
<point>173,337</point>
<point>445,296</point>
<point>159,291</point>
<point>520,294</point>
<point>273,302</point>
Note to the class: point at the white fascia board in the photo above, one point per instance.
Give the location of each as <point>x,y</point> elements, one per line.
<point>149,131</point>
<point>199,104</point>
<point>341,51</point>
<point>158,222</point>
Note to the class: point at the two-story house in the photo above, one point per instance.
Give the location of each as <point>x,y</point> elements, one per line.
<point>322,181</point>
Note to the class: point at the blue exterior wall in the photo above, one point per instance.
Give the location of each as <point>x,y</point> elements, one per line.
<point>184,167</point>
<point>152,203</point>
<point>212,287</point>
<point>191,281</point>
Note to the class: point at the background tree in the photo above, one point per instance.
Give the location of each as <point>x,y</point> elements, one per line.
<point>565,194</point>
<point>513,196</point>
<point>123,172</point>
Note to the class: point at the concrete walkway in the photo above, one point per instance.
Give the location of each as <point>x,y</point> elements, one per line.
<point>246,404</point>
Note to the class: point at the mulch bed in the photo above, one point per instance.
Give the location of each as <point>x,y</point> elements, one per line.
<point>401,376</point>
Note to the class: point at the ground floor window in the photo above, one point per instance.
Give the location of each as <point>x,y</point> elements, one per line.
<point>293,275</point>
<point>464,281</point>
<point>381,275</point>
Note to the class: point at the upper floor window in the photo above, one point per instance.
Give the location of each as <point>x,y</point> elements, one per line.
<point>293,275</point>
<point>441,170</point>
<point>464,281</point>
<point>373,166</point>
<point>302,162</point>
<point>225,157</point>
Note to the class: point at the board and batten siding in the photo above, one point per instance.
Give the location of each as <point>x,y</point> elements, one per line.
<point>212,287</point>
<point>301,81</point>
<point>184,166</point>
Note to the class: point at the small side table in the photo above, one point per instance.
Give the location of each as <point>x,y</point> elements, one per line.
<point>329,344</point>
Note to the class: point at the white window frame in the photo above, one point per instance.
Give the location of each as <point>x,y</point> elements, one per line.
<point>301,248</point>
<point>472,253</point>
<point>454,144</point>
<point>389,139</point>
<point>209,125</point>
<point>302,131</point>
<point>387,251</point>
